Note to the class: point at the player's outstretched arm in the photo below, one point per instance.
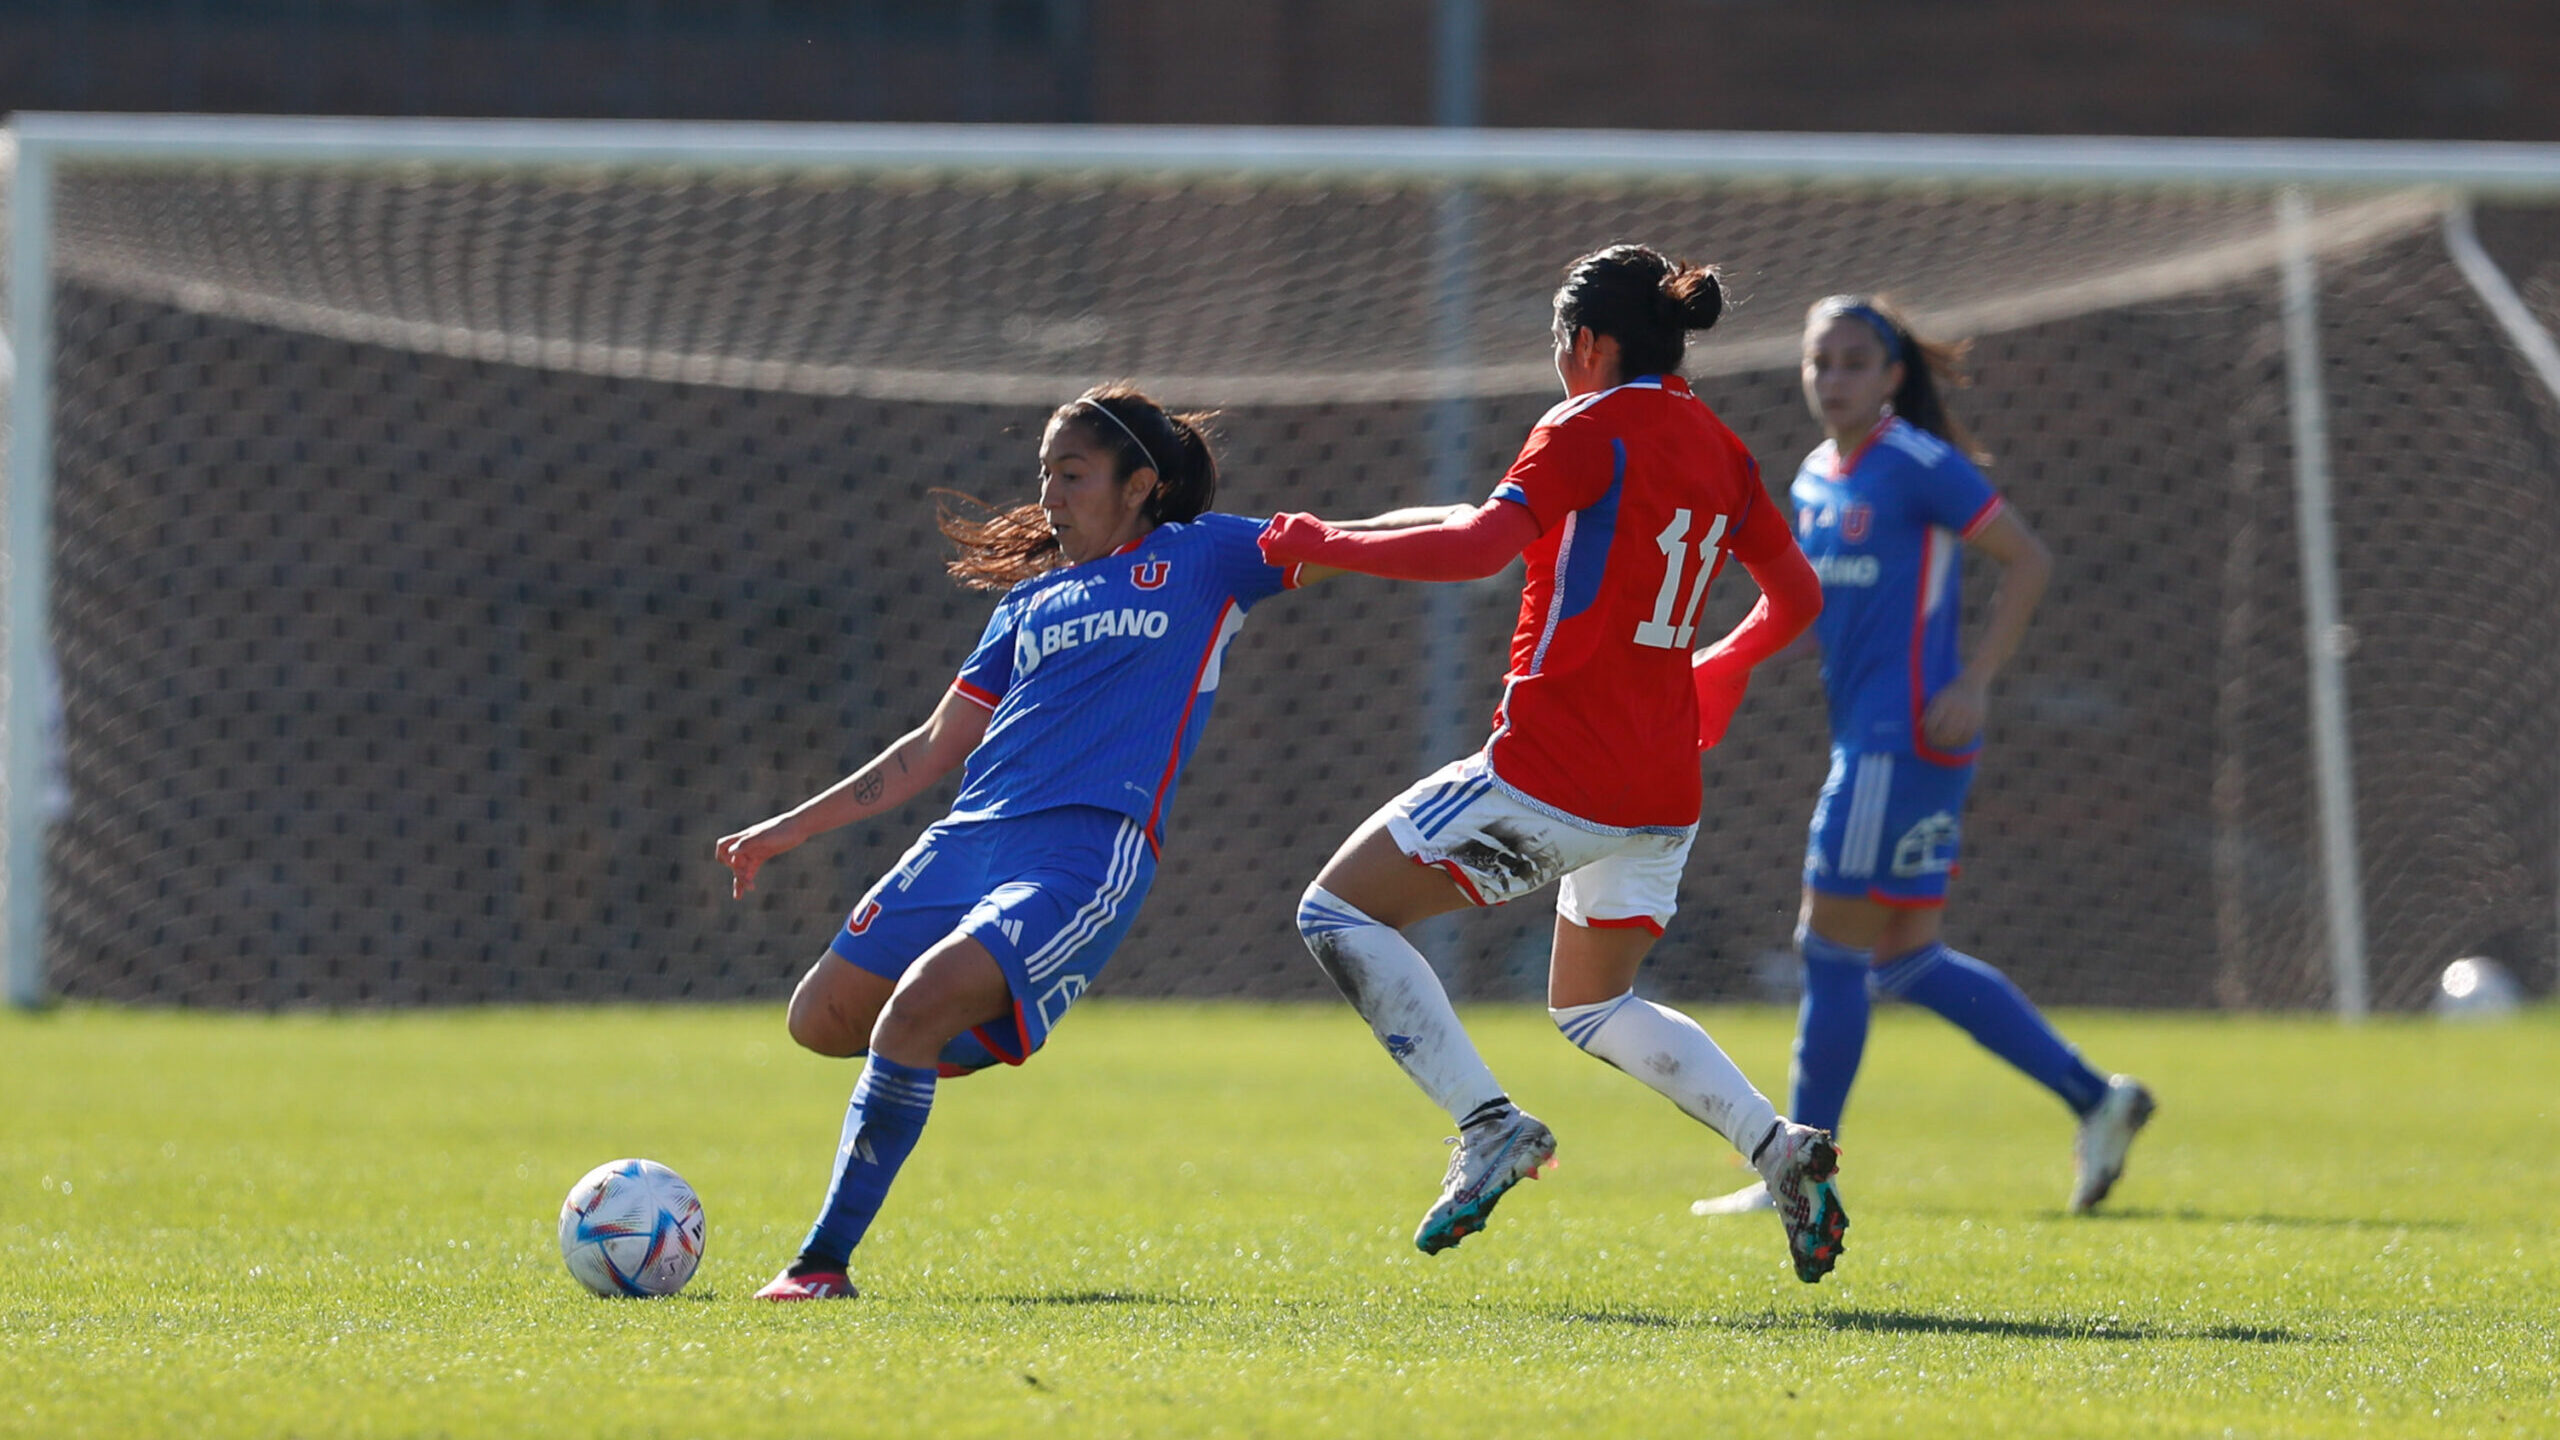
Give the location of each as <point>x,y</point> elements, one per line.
<point>1404,519</point>
<point>1957,713</point>
<point>1465,542</point>
<point>895,776</point>
<point>1407,518</point>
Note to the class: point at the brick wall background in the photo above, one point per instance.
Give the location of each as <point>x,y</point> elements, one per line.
<point>2367,68</point>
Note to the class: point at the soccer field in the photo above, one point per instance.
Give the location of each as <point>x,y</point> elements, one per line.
<point>1195,1219</point>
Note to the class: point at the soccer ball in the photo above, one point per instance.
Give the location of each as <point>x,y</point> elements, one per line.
<point>631,1227</point>
<point>2476,988</point>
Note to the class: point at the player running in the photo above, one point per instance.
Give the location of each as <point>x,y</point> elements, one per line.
<point>1626,498</point>
<point>1074,716</point>
<point>1880,507</point>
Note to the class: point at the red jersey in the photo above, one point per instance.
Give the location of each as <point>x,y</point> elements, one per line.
<point>1640,493</point>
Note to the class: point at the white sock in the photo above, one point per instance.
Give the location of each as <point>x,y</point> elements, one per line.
<point>1392,987</point>
<point>1668,1051</point>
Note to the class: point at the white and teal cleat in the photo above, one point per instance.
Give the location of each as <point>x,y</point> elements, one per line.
<point>1799,1163</point>
<point>1490,1159</point>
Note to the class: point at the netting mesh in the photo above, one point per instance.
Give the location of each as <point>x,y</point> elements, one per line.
<point>443,562</point>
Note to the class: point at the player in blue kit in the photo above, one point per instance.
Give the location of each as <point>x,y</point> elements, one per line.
<point>1881,508</point>
<point>1073,715</point>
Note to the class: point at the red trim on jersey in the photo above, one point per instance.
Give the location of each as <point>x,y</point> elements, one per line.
<point>1629,922</point>
<point>1908,902</point>
<point>976,694</point>
<point>1475,897</point>
<point>1990,511</point>
<point>1173,761</point>
<point>1840,468</point>
<point>1132,545</point>
<point>1920,745</point>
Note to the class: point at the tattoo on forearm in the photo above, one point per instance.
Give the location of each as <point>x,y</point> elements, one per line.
<point>902,762</point>
<point>868,788</point>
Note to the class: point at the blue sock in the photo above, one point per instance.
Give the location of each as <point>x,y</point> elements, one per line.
<point>881,1126</point>
<point>1982,1002</point>
<point>1831,1030</point>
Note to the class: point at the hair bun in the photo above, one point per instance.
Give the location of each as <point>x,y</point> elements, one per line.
<point>1696,294</point>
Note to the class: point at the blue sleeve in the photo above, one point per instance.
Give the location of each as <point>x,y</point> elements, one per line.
<point>1235,545</point>
<point>988,672</point>
<point>1952,493</point>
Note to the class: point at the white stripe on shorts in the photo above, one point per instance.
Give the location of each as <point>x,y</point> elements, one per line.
<point>1098,911</point>
<point>1863,837</point>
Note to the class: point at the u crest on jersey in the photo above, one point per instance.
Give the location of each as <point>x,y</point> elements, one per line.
<point>1151,575</point>
<point>1856,519</point>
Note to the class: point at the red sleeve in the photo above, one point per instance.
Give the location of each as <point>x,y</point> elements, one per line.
<point>1468,547</point>
<point>1562,468</point>
<point>1790,598</point>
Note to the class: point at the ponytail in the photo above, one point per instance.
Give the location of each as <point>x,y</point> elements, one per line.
<point>1642,299</point>
<point>1001,549</point>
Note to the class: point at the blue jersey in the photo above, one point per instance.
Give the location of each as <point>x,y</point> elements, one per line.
<point>1100,675</point>
<point>1882,531</point>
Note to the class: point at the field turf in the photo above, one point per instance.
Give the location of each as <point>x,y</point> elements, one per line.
<point>1196,1220</point>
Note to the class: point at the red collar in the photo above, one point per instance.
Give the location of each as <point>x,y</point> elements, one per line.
<point>1840,468</point>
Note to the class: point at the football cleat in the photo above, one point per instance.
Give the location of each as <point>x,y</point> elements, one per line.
<point>2106,1133</point>
<point>816,1285</point>
<point>1748,1200</point>
<point>1490,1159</point>
<point>1799,1162</point>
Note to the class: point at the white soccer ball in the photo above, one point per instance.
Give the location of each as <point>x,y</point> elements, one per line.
<point>631,1227</point>
<point>2476,988</point>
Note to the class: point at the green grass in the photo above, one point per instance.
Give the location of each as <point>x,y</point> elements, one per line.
<point>1196,1220</point>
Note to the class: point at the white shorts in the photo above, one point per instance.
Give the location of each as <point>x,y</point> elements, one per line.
<point>1499,845</point>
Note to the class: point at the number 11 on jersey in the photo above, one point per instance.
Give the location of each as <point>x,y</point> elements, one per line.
<point>1659,631</point>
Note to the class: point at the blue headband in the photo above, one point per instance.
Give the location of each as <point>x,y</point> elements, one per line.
<point>1885,331</point>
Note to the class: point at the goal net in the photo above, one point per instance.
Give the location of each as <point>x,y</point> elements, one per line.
<point>447,543</point>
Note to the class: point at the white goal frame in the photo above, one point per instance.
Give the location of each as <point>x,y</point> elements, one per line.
<point>2449,175</point>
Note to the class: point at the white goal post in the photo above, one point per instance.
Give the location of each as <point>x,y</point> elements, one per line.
<point>2368,188</point>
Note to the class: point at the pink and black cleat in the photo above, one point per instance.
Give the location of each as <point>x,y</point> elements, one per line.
<point>816,1285</point>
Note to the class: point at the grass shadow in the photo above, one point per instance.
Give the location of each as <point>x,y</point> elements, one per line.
<point>2189,1215</point>
<point>2099,1327</point>
<point>1090,1297</point>
<point>1639,1319</point>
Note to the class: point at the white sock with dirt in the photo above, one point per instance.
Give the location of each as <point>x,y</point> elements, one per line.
<point>1668,1051</point>
<point>1392,987</point>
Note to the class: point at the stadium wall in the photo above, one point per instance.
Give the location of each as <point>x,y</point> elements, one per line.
<point>2341,68</point>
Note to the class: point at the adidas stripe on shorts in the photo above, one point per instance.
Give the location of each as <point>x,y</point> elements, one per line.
<point>1500,844</point>
<point>1049,894</point>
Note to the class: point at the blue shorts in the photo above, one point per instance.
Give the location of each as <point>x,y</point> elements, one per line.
<point>1049,894</point>
<point>1887,828</point>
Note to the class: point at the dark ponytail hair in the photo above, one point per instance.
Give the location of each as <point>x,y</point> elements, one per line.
<point>1001,549</point>
<point>1642,299</point>
<point>1929,367</point>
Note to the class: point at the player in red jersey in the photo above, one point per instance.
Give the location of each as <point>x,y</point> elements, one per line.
<point>1626,499</point>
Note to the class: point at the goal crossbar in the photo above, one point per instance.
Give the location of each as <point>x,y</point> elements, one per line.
<point>2486,168</point>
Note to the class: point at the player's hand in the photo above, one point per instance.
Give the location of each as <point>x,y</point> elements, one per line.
<point>1291,536</point>
<point>745,852</point>
<point>1721,684</point>
<point>1955,715</point>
